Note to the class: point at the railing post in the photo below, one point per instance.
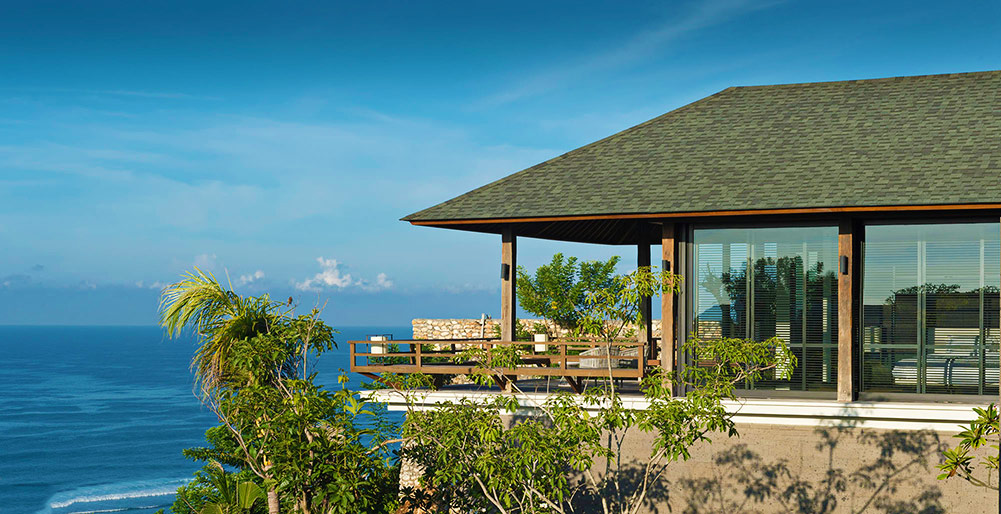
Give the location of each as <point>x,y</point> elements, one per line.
<point>563,356</point>
<point>418,353</point>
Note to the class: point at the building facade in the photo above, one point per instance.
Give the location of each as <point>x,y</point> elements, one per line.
<point>859,221</point>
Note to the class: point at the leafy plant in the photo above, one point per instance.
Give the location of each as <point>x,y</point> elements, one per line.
<point>520,454</point>
<point>962,462</point>
<point>311,449</point>
<point>234,497</point>
<point>520,332</point>
<point>558,290</point>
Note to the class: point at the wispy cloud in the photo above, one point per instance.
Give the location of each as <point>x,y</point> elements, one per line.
<point>642,46</point>
<point>230,183</point>
<point>250,278</point>
<point>205,261</point>
<point>381,283</point>
<point>161,95</point>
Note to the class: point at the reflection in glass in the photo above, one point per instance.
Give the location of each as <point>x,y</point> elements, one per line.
<point>772,282</point>
<point>930,308</point>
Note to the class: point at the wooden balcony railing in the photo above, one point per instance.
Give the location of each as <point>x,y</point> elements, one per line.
<point>445,357</point>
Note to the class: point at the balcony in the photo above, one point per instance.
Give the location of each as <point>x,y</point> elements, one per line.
<point>572,360</point>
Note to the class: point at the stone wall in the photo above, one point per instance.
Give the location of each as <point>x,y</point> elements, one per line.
<point>473,328</point>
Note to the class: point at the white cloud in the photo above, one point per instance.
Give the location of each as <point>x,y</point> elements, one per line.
<point>329,276</point>
<point>250,278</point>
<point>332,275</point>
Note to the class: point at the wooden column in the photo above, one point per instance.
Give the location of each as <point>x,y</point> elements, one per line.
<point>645,331</point>
<point>667,357</point>
<point>509,273</point>
<point>847,270</point>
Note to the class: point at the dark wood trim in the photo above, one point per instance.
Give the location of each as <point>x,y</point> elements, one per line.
<point>509,258</point>
<point>645,333</point>
<point>699,214</point>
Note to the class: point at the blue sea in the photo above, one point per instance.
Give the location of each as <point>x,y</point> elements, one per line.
<point>93,419</point>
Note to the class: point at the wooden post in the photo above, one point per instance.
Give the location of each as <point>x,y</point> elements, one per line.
<point>846,312</point>
<point>645,332</point>
<point>667,358</point>
<point>509,273</point>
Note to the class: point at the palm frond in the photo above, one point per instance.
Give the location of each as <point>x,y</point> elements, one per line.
<point>199,298</point>
<point>219,318</point>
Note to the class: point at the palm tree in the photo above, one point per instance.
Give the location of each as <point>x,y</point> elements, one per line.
<point>234,497</point>
<point>219,317</point>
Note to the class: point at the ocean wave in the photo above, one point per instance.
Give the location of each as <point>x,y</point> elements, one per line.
<point>114,492</point>
<point>121,509</point>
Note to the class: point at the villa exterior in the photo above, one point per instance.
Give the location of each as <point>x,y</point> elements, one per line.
<point>860,221</point>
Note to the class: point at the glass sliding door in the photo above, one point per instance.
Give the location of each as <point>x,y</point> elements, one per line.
<point>930,308</point>
<point>759,283</point>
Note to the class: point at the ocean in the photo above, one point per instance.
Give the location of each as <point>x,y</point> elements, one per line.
<point>93,419</point>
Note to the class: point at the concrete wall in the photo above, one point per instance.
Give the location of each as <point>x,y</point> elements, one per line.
<point>779,469</point>
<point>794,469</point>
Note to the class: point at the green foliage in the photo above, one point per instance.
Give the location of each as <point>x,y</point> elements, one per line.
<point>558,290</point>
<point>961,461</point>
<point>212,485</point>
<point>520,332</point>
<point>518,454</point>
<point>607,312</point>
<point>233,496</point>
<point>543,459</point>
<point>491,361</point>
<point>474,461</point>
<point>219,316</point>
<point>313,449</point>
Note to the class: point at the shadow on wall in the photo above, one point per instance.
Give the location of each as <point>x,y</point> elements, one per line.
<point>740,480</point>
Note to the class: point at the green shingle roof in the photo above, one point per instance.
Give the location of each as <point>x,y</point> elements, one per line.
<point>924,140</point>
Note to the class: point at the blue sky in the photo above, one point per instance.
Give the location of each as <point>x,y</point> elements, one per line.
<point>281,142</point>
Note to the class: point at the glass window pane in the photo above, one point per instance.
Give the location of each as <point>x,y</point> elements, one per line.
<point>772,282</point>
<point>927,313</point>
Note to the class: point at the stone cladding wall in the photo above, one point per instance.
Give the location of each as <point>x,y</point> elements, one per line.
<point>455,328</point>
